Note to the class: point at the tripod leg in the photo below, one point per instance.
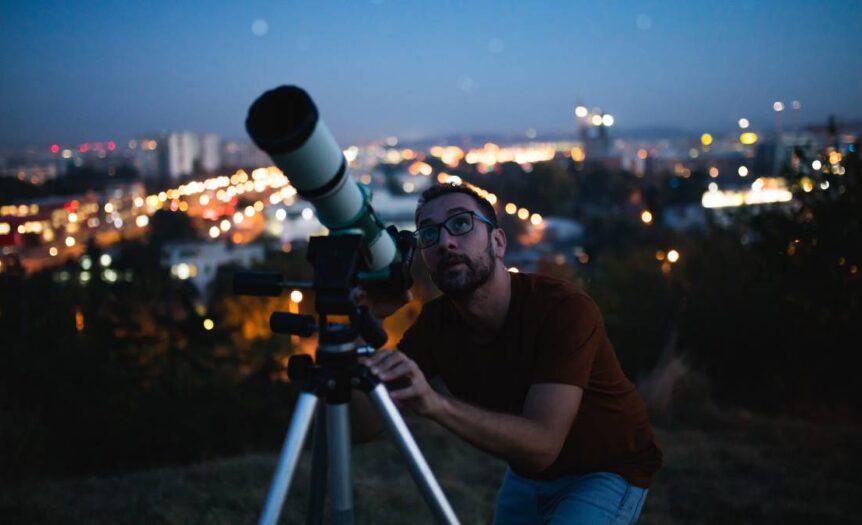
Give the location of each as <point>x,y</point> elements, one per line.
<point>340,481</point>
<point>296,433</point>
<point>419,468</point>
<point>317,494</point>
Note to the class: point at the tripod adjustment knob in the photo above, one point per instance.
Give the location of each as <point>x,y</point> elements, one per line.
<point>365,350</point>
<point>370,328</point>
<point>299,367</point>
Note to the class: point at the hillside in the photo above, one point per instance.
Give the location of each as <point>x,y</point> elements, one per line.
<point>742,469</point>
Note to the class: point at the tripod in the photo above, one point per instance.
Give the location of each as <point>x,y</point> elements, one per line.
<point>331,379</point>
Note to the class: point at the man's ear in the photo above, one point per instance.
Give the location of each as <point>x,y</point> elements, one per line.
<point>498,238</point>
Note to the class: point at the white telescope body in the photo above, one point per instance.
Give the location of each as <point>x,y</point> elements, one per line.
<point>285,123</point>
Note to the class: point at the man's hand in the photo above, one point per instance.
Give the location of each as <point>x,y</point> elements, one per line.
<point>389,365</point>
<point>382,304</point>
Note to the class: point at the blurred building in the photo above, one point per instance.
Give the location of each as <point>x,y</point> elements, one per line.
<point>176,154</point>
<point>210,152</point>
<point>239,154</point>
<point>198,261</point>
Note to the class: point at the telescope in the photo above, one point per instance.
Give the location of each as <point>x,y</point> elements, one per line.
<point>285,123</point>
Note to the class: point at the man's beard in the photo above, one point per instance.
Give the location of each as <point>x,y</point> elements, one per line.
<point>464,281</point>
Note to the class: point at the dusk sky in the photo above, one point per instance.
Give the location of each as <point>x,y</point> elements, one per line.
<point>100,70</point>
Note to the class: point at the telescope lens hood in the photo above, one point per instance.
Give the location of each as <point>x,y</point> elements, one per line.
<point>282,120</point>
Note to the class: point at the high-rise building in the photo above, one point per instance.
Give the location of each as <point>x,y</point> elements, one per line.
<point>210,152</point>
<point>176,154</point>
<point>182,149</point>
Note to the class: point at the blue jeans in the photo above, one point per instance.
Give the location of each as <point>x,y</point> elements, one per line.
<point>601,497</point>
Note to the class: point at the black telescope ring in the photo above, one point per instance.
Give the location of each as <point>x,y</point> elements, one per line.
<point>330,186</point>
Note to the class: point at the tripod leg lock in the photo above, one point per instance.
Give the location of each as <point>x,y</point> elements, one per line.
<point>366,381</point>
<point>363,379</point>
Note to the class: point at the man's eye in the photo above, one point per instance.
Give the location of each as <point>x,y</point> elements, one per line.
<point>460,223</point>
<point>427,234</point>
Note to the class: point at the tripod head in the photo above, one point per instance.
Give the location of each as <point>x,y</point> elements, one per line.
<point>336,262</point>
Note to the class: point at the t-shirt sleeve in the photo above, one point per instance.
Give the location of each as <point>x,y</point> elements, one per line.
<point>567,342</point>
<point>416,343</point>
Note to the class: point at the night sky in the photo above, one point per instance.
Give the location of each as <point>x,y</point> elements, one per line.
<point>98,70</point>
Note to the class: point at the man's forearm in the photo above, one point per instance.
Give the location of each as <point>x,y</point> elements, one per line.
<point>524,443</point>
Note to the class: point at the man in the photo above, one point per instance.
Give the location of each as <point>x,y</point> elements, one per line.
<point>527,374</point>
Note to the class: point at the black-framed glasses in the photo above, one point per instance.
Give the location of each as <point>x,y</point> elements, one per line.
<point>458,224</point>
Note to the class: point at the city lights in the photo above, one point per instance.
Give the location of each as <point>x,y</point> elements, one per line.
<point>706,139</point>
<point>296,296</point>
<point>646,217</point>
<point>607,120</point>
<point>578,154</point>
<point>763,191</point>
<point>743,123</point>
<point>581,111</point>
<point>673,256</point>
<point>778,106</point>
<point>748,138</point>
<point>183,271</point>
<point>742,171</point>
<point>208,324</point>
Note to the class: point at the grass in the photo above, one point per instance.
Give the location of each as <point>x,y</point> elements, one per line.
<point>737,469</point>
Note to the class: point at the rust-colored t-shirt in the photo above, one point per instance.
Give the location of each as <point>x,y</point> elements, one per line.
<point>553,333</point>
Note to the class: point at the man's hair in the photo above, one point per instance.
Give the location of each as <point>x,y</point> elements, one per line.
<point>439,190</point>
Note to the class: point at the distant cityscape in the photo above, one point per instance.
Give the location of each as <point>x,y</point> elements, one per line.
<point>234,196</point>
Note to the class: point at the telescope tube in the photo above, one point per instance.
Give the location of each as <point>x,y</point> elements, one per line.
<point>285,123</point>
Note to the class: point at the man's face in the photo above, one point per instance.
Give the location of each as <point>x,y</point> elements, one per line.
<point>457,264</point>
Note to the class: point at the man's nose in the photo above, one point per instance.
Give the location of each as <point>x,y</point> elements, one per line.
<point>446,241</point>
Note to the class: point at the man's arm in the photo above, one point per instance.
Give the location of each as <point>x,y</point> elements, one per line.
<point>530,441</point>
